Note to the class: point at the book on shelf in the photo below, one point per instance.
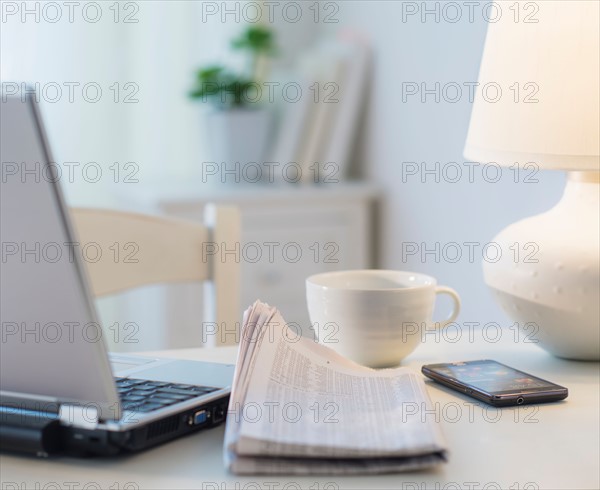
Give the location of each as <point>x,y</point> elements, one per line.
<point>317,130</point>
<point>298,407</point>
<point>294,115</point>
<point>355,53</point>
<point>324,67</point>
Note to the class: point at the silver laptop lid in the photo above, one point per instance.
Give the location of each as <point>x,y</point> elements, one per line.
<point>52,346</point>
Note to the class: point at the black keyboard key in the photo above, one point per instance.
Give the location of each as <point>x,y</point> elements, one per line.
<point>150,406</point>
<point>123,382</point>
<point>133,398</point>
<point>175,391</point>
<point>155,384</point>
<point>169,396</point>
<point>144,393</point>
<point>182,387</point>
<point>145,386</point>
<point>202,390</point>
<point>133,406</point>
<point>164,402</point>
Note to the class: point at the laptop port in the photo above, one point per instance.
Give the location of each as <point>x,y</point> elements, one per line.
<point>198,418</point>
<point>219,413</point>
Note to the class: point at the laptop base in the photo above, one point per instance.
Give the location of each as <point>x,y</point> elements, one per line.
<point>44,437</point>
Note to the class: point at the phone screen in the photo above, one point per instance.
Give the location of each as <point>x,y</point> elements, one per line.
<point>491,376</point>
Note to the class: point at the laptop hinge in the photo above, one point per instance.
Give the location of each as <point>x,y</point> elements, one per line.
<point>80,416</point>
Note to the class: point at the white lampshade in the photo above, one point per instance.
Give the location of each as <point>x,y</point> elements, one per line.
<point>559,57</point>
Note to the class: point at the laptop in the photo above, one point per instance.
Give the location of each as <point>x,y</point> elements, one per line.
<point>60,391</point>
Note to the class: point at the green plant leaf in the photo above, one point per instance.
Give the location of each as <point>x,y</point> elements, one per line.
<point>257,39</point>
<point>223,88</point>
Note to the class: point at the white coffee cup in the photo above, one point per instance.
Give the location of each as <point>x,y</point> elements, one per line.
<point>374,317</point>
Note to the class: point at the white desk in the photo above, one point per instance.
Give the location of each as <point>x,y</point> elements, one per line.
<point>548,447</point>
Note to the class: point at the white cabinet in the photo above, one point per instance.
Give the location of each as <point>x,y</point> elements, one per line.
<point>288,233</point>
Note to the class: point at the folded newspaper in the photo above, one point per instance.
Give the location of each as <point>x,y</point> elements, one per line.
<point>298,407</point>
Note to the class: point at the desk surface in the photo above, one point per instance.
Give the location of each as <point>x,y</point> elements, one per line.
<point>537,447</point>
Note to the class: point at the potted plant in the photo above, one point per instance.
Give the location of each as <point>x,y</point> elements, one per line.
<point>238,125</point>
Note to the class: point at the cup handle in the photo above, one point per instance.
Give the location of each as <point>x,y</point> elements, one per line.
<point>456,300</point>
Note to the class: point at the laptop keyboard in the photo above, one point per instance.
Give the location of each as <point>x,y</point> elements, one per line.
<point>142,395</point>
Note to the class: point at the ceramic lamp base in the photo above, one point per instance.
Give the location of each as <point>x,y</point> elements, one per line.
<point>548,278</point>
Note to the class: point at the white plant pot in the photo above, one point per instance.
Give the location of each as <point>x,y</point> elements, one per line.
<point>238,137</point>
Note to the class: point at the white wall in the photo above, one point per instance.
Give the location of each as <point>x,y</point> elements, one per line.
<point>143,56</point>
<point>396,131</point>
<point>163,134</point>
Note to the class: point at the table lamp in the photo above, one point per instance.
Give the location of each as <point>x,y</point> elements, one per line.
<point>546,116</point>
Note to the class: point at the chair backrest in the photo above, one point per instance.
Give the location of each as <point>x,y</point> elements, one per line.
<point>125,250</point>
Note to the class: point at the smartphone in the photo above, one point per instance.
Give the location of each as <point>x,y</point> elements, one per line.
<point>495,383</point>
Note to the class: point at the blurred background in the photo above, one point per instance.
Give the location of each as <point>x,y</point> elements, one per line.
<point>337,127</point>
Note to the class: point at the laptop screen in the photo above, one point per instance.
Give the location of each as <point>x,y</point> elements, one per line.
<point>51,343</point>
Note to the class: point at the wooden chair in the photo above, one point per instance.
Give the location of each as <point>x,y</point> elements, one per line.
<point>125,250</point>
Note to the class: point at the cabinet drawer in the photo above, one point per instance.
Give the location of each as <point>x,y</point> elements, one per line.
<point>288,257</point>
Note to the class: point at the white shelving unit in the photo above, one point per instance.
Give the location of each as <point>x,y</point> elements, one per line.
<point>288,233</point>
